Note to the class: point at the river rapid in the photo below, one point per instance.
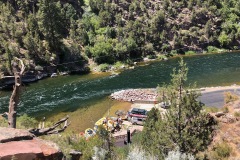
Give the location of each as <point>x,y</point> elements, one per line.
<point>85,97</point>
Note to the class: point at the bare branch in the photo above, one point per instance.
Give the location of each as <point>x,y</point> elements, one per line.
<point>5,113</point>
<point>52,129</point>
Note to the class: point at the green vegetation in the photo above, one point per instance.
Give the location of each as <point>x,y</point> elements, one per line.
<point>211,109</point>
<point>103,67</point>
<point>23,122</point>
<point>184,126</point>
<point>221,151</point>
<point>190,53</point>
<point>230,97</point>
<point>225,109</point>
<point>236,114</point>
<point>49,32</point>
<point>26,122</point>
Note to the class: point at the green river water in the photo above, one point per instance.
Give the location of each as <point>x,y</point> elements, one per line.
<point>85,97</point>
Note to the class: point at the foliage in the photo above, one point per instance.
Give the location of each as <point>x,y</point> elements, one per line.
<point>103,67</point>
<point>224,39</point>
<point>26,122</point>
<point>51,22</point>
<point>220,151</point>
<point>3,122</point>
<point>118,65</point>
<point>114,31</point>
<point>211,109</point>
<point>211,49</point>
<point>69,141</point>
<point>177,155</point>
<point>230,97</point>
<point>190,53</point>
<point>99,153</point>
<point>23,122</point>
<point>236,114</point>
<point>225,109</point>
<point>137,153</point>
<point>121,152</point>
<point>107,142</point>
<point>183,125</point>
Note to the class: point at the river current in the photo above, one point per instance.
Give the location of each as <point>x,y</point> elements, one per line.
<point>67,94</point>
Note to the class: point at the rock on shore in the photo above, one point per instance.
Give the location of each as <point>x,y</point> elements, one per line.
<point>22,145</point>
<point>133,95</point>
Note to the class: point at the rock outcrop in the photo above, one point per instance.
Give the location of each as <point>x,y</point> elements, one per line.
<point>133,95</point>
<point>22,145</point>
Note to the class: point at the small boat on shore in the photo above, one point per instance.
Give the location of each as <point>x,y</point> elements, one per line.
<point>108,124</point>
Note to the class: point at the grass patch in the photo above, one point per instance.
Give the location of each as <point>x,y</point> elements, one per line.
<point>211,109</point>
<point>221,151</point>
<point>236,114</point>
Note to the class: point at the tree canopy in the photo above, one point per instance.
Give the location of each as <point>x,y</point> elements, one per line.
<point>50,32</point>
<point>184,125</point>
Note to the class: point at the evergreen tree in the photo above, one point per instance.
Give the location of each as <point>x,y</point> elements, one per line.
<point>184,125</point>
<point>51,23</point>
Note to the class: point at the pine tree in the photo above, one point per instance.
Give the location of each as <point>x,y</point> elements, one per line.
<point>51,23</point>
<point>184,125</point>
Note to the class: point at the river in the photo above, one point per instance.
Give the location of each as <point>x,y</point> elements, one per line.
<point>84,97</point>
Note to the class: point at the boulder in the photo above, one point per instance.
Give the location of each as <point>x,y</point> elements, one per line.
<point>228,118</point>
<point>11,134</point>
<point>219,114</point>
<point>20,144</point>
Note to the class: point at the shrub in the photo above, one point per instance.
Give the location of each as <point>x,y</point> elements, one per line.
<point>236,114</point>
<point>69,141</point>
<point>190,53</point>
<point>161,56</point>
<point>172,53</point>
<point>225,109</point>
<point>220,151</point>
<point>118,65</point>
<point>212,49</point>
<point>230,97</point>
<point>26,122</point>
<point>3,122</point>
<point>177,155</point>
<point>137,153</point>
<point>99,153</point>
<point>151,56</point>
<point>103,67</point>
<point>121,152</point>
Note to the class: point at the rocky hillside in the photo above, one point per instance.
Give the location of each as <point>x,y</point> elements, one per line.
<point>225,144</point>
<point>62,35</point>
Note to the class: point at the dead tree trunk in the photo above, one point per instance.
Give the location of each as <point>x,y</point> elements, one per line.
<point>14,99</point>
<point>51,130</point>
